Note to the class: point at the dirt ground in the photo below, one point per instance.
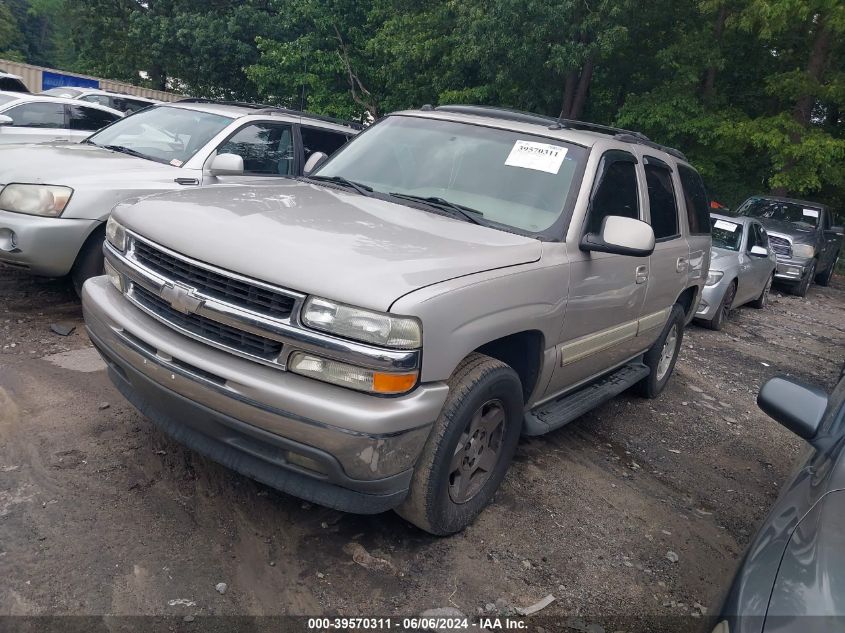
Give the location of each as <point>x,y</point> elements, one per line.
<point>100,513</point>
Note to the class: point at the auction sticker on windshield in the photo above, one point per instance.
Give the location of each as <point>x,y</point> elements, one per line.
<point>811,213</point>
<point>725,226</point>
<point>536,156</point>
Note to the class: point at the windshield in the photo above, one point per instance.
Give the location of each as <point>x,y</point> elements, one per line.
<point>165,134</point>
<point>511,178</point>
<point>726,234</point>
<point>68,93</point>
<point>792,212</point>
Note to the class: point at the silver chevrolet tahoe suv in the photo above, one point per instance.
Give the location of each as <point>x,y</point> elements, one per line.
<point>378,335</point>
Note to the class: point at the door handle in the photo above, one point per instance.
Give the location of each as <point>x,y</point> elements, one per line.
<point>641,274</point>
<point>681,264</point>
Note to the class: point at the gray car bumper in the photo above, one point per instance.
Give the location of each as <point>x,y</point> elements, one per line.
<point>711,299</point>
<point>43,246</point>
<point>338,448</point>
<point>791,270</point>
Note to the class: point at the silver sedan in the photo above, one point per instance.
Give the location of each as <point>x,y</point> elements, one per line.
<point>742,266</point>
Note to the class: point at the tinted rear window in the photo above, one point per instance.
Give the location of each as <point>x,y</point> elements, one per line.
<point>698,213</point>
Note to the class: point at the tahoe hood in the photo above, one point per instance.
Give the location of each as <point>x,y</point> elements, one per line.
<point>318,240</point>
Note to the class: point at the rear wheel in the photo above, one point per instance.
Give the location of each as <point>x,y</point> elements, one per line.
<point>469,448</point>
<point>89,262</point>
<point>763,300</point>
<point>724,309</point>
<point>663,355</point>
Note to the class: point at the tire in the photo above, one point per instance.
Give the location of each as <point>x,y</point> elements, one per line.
<point>441,502</point>
<point>89,262</point>
<point>652,385</point>
<point>823,279</point>
<point>800,289</point>
<point>763,300</point>
<point>724,309</point>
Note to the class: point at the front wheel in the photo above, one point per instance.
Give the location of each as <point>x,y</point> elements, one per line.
<point>823,279</point>
<point>662,356</point>
<point>724,309</point>
<point>469,448</point>
<point>800,289</point>
<point>763,300</point>
<point>89,262</point>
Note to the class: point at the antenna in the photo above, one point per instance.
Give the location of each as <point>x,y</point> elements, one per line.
<point>557,125</point>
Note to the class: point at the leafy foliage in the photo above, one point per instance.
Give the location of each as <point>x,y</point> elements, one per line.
<point>753,91</point>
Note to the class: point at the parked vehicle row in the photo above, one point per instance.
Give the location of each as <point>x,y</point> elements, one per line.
<point>114,100</point>
<point>373,325</point>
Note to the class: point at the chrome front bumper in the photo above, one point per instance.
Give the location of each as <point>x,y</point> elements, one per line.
<point>790,269</point>
<point>43,246</point>
<point>337,447</point>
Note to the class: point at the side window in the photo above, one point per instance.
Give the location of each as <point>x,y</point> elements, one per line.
<point>315,140</point>
<point>753,237</point>
<point>762,236</point>
<point>41,115</point>
<point>661,200</point>
<point>130,105</point>
<point>616,192</point>
<point>267,149</point>
<point>698,214</point>
<point>89,119</point>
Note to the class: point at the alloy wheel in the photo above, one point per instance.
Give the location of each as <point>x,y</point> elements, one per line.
<point>667,354</point>
<point>477,452</point>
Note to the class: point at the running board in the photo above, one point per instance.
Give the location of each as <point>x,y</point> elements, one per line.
<point>557,413</point>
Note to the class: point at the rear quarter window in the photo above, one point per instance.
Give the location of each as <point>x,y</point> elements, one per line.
<point>695,196</point>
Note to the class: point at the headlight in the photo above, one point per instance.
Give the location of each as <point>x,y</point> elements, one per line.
<point>47,200</point>
<point>350,376</point>
<point>366,326</point>
<point>803,251</point>
<point>714,277</point>
<point>116,234</point>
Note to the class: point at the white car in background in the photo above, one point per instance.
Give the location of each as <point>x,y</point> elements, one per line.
<point>124,103</point>
<point>27,118</point>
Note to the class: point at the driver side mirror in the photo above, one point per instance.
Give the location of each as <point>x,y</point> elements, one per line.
<point>759,251</point>
<point>6,120</point>
<point>798,407</point>
<point>621,236</point>
<point>314,161</point>
<point>226,165</point>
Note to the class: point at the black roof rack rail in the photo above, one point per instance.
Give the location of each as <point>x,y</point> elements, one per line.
<point>320,117</point>
<point>263,108</point>
<point>627,136</point>
<point>639,140</point>
<point>239,104</point>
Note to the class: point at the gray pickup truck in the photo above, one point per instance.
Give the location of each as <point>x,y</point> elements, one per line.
<point>379,334</point>
<point>802,235</point>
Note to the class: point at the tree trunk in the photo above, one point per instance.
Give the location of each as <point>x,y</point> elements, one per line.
<point>158,77</point>
<point>583,88</point>
<point>718,30</point>
<point>569,93</point>
<point>815,67</point>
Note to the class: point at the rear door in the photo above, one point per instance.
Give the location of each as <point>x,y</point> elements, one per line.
<point>697,215</point>
<point>35,122</point>
<point>669,263</point>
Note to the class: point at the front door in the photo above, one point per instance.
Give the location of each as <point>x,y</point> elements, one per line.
<point>606,291</point>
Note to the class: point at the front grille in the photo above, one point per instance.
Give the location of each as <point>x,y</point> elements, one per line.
<point>219,333</point>
<point>780,246</point>
<point>233,291</point>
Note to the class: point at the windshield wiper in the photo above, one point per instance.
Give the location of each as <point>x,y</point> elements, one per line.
<point>467,213</point>
<point>364,190</point>
<point>124,150</point>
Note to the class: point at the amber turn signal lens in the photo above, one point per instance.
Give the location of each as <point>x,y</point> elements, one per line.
<point>393,383</point>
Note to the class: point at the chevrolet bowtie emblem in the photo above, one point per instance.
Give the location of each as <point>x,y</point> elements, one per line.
<point>181,298</point>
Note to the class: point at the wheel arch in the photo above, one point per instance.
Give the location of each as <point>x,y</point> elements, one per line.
<point>523,352</point>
